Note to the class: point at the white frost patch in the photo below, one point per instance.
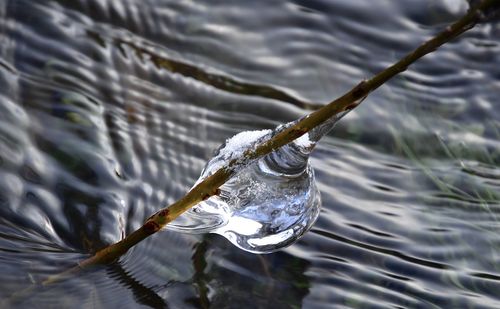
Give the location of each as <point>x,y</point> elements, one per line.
<point>233,150</point>
<point>304,141</point>
<point>237,144</point>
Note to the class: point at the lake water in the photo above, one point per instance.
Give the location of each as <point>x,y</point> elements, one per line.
<point>109,110</point>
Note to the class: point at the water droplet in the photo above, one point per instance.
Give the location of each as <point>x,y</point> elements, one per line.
<point>269,203</point>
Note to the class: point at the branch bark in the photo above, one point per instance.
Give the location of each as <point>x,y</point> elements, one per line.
<point>210,185</point>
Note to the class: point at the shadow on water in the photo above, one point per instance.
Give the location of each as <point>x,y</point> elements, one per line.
<point>221,82</point>
<point>225,276</point>
<point>142,294</point>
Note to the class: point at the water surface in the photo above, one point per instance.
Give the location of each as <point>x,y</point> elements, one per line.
<point>109,110</point>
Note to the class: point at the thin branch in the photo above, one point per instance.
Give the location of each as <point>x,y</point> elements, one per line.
<point>210,185</point>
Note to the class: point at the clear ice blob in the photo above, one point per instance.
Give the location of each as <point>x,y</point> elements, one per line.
<point>268,204</point>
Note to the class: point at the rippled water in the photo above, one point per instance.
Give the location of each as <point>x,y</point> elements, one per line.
<point>109,109</point>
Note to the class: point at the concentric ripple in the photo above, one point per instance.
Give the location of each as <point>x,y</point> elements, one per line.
<point>109,110</point>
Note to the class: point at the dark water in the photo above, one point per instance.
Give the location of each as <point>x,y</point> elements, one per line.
<point>109,109</point>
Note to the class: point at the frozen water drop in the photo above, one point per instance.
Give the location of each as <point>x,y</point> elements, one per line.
<point>269,203</point>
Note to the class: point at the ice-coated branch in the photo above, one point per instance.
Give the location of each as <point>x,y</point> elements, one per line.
<point>209,186</point>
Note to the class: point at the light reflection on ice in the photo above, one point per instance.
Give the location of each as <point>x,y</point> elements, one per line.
<point>270,202</point>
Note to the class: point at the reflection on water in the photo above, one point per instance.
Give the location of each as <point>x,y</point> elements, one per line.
<point>109,109</point>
